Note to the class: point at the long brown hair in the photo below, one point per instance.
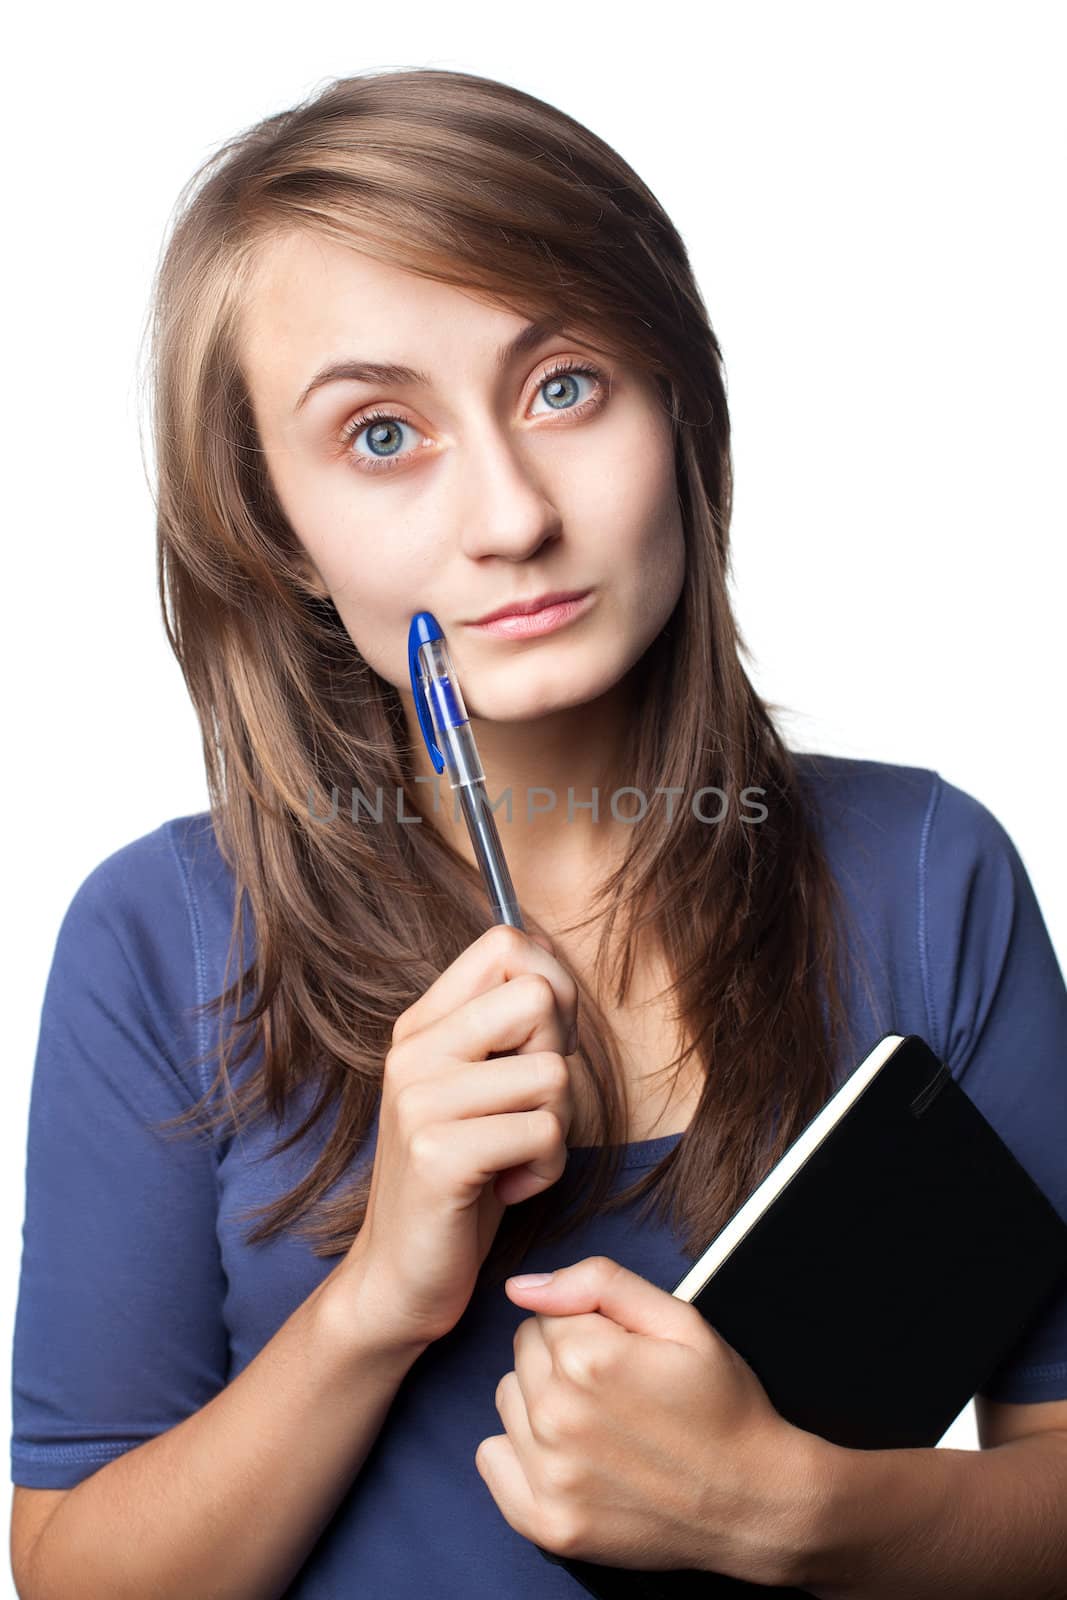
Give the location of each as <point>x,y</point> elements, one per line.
<point>471,182</point>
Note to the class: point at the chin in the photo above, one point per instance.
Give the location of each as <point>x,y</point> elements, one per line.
<point>529,703</point>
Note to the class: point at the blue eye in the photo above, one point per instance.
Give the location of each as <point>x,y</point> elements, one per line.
<point>384,429</point>
<point>561,378</point>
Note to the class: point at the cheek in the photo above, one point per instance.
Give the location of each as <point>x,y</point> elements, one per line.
<point>372,591</point>
<point>632,502</point>
<point>372,603</point>
<point>364,572</point>
<point>648,533</point>
<point>369,577</point>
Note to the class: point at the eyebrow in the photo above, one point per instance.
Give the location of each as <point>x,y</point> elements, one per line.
<point>390,373</point>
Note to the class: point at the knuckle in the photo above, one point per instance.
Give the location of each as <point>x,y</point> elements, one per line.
<point>537,992</point>
<point>424,1149</point>
<point>408,1107</point>
<point>562,1478</point>
<point>523,1333</point>
<point>505,942</point>
<point>563,1414</point>
<point>567,1535</point>
<point>546,1126</point>
<point>583,1362</point>
<point>399,1030</point>
<point>557,1074</point>
<point>545,1427</point>
<point>601,1365</point>
<point>395,1063</point>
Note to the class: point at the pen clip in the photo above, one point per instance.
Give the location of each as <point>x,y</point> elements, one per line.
<point>423,630</point>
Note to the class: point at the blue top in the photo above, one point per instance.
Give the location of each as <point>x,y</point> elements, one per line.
<point>138,1299</point>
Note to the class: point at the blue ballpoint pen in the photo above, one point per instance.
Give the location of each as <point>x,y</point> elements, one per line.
<point>450,742</point>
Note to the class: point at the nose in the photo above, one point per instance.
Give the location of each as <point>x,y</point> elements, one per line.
<point>504,508</point>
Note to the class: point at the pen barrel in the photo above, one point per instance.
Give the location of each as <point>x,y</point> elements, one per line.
<point>481,826</point>
<point>462,762</point>
<point>432,668</point>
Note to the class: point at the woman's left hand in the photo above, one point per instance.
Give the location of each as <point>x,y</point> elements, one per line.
<point>637,1437</point>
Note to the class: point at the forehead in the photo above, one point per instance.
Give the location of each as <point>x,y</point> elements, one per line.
<point>311,300</point>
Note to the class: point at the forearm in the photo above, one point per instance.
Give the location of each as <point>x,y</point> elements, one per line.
<point>941,1524</point>
<point>227,1504</point>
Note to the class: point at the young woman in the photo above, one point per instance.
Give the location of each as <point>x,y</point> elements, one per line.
<point>425,342</point>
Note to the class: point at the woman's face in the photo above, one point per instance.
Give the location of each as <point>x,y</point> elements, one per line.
<point>489,482</point>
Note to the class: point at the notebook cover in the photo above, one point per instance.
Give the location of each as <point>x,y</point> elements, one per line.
<point>881,1287</point>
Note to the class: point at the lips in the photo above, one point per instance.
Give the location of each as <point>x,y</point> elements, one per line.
<point>526,608</point>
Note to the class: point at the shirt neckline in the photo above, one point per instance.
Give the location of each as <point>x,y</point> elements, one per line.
<point>641,1153</point>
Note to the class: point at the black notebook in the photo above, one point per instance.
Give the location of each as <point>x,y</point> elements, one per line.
<point>875,1279</point>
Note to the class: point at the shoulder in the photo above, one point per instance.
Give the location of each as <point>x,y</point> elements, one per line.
<point>936,891</point>
<point>121,1024</point>
<point>151,886</point>
<point>907,828</point>
<point>894,814</point>
<point>143,927</point>
<point>881,796</point>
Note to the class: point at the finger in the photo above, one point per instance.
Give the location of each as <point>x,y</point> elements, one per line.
<point>471,1152</point>
<point>519,1017</point>
<point>531,1357</point>
<point>501,953</point>
<point>511,1409</point>
<point>502,1473</point>
<point>512,1083</point>
<point>577,1346</point>
<point>598,1284</point>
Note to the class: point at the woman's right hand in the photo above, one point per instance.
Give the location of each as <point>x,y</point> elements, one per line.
<point>460,1136</point>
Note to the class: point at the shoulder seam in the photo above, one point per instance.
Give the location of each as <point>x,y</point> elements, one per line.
<point>922,931</point>
<point>196,936</point>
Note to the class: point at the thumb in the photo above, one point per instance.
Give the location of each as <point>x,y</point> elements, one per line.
<point>600,1284</point>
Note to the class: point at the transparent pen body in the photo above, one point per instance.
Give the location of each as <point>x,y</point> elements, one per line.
<point>455,740</point>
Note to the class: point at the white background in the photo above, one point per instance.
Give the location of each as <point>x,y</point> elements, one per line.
<point>872,200</point>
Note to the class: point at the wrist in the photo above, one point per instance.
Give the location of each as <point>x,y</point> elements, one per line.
<point>818,1469</point>
<point>357,1322</point>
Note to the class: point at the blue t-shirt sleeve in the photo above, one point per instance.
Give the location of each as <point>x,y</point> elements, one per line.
<point>119,1332</point>
<point>997,1006</point>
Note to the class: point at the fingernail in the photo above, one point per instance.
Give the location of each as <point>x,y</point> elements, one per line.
<point>531,1280</point>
